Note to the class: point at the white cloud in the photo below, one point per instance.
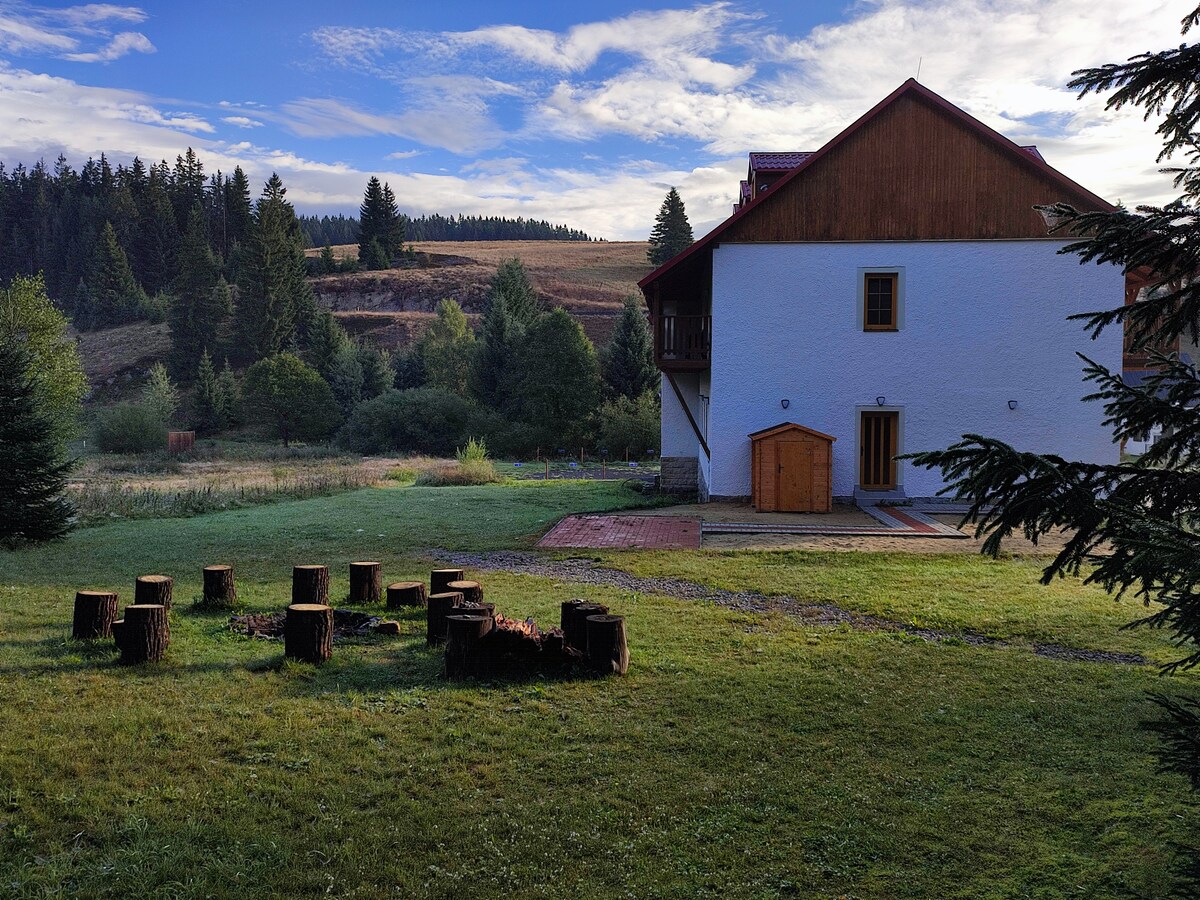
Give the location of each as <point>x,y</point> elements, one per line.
<point>404,154</point>
<point>76,33</point>
<point>121,44</point>
<point>242,121</point>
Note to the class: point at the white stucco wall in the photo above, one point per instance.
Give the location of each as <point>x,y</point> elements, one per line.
<point>983,323</point>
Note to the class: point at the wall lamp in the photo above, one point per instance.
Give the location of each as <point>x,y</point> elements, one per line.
<point>879,401</point>
<point>785,403</point>
<point>1012,404</point>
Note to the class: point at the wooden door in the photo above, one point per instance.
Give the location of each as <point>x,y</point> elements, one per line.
<point>794,481</point>
<point>877,450</point>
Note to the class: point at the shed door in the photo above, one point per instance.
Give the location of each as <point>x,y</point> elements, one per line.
<point>877,449</point>
<point>795,481</point>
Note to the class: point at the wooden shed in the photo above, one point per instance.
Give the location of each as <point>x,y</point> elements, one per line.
<point>791,469</point>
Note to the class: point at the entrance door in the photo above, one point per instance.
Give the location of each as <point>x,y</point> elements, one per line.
<point>795,476</point>
<point>877,449</point>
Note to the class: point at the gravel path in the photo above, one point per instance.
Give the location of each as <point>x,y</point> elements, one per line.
<point>584,571</point>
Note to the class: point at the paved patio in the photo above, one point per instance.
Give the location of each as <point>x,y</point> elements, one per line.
<point>625,532</point>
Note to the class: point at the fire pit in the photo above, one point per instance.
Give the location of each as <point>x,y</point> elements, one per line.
<point>346,623</point>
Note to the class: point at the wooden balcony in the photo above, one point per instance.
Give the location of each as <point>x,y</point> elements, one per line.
<point>683,343</point>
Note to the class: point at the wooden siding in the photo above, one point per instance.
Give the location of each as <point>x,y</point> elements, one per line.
<point>791,470</point>
<point>913,172</point>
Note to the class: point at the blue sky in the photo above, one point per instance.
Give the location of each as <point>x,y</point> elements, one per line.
<point>581,113</point>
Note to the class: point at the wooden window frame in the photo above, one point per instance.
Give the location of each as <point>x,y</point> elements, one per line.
<point>894,278</point>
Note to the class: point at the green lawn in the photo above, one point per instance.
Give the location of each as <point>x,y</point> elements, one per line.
<point>742,756</point>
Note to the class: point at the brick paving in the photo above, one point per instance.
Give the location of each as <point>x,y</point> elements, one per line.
<point>625,532</point>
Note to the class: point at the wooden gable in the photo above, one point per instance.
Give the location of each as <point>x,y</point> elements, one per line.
<point>913,171</point>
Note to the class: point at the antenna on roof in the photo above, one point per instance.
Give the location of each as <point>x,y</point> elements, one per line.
<point>920,60</point>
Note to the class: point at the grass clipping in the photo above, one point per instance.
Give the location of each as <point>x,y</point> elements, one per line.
<point>471,466</point>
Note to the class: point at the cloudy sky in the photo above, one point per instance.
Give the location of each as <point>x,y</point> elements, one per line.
<point>581,113</point>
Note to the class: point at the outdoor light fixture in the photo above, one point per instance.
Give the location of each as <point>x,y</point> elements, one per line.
<point>879,401</point>
<point>785,403</point>
<point>1012,404</point>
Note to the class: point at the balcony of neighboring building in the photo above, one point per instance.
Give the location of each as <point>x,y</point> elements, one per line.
<point>683,342</point>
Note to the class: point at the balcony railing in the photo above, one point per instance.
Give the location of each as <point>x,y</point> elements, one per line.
<point>684,341</point>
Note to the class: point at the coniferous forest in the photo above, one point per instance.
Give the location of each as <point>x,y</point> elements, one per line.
<point>333,230</point>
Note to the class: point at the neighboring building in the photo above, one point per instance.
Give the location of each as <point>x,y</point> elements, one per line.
<point>890,292</point>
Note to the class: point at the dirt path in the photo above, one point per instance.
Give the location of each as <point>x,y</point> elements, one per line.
<point>584,571</point>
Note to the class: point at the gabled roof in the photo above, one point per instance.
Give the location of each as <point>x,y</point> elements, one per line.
<point>1023,156</point>
<point>778,162</point>
<point>788,426</point>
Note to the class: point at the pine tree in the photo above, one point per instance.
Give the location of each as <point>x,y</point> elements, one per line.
<point>193,314</point>
<point>493,369</point>
<point>672,234</point>
<point>116,296</point>
<point>160,393</point>
<point>326,339</point>
<point>377,371</point>
<point>629,369</point>
<point>1132,523</point>
<point>513,282</point>
<point>329,264</point>
<point>229,396</point>
<point>392,236</point>
<point>33,470</point>
<point>370,224</point>
<point>345,377</point>
<point>273,294</point>
<point>447,348</point>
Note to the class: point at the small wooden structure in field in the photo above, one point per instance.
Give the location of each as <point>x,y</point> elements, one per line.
<point>792,469</point>
<point>180,442</point>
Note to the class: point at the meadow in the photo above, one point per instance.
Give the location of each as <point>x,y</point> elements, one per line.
<point>744,755</point>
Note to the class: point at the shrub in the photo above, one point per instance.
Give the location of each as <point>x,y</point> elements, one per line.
<point>459,474</point>
<point>129,428</point>
<point>283,392</point>
<point>633,425</point>
<point>425,420</point>
<point>472,452</point>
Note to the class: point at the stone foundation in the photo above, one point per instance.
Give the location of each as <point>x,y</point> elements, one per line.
<point>678,474</point>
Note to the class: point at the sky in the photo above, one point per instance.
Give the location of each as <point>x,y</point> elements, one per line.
<point>580,113</point>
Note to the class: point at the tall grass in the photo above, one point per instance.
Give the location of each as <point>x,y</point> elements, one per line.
<point>471,466</point>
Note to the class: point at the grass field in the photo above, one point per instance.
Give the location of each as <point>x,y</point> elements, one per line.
<point>744,755</point>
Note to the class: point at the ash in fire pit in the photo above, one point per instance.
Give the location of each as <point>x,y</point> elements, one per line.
<point>346,623</point>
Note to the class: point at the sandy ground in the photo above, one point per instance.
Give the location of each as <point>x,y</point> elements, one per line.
<point>842,515</point>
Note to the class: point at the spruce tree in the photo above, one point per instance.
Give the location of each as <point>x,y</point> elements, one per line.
<point>329,264</point>
<point>33,469</point>
<point>229,396</point>
<point>160,394</point>
<point>273,294</point>
<point>672,234</point>
<point>629,369</point>
<point>371,224</point>
<point>392,236</point>
<point>447,348</point>
<point>1132,523</point>
<point>116,296</point>
<point>513,282</point>
<point>208,406</point>
<point>193,315</point>
<point>558,385</point>
<point>493,369</point>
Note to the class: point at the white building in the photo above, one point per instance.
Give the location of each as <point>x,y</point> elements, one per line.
<point>895,290</point>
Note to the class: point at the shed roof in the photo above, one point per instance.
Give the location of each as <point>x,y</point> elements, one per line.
<point>789,426</point>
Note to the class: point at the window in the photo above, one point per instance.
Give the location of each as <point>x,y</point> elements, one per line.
<point>880,296</point>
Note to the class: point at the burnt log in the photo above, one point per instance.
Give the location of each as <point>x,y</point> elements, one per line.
<point>489,608</point>
<point>465,651</point>
<point>365,582</point>
<point>143,635</point>
<point>574,621</point>
<point>308,632</point>
<point>153,590</point>
<point>405,593</point>
<point>607,649</point>
<point>95,612</point>
<point>435,615</point>
<point>310,584</point>
<point>439,579</point>
<point>220,592</point>
<point>472,591</point>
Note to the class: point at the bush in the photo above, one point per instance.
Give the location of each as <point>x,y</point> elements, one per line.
<point>129,428</point>
<point>424,420</point>
<point>633,425</point>
<point>459,474</point>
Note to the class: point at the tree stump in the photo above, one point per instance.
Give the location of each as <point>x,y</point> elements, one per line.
<point>439,579</point>
<point>95,612</point>
<point>151,590</point>
<point>489,608</point>
<point>574,621</point>
<point>365,580</point>
<point>143,635</point>
<point>310,584</point>
<point>472,591</point>
<point>435,615</point>
<point>464,634</point>
<point>607,649</point>
<point>219,590</point>
<point>405,593</point>
<point>308,632</point>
